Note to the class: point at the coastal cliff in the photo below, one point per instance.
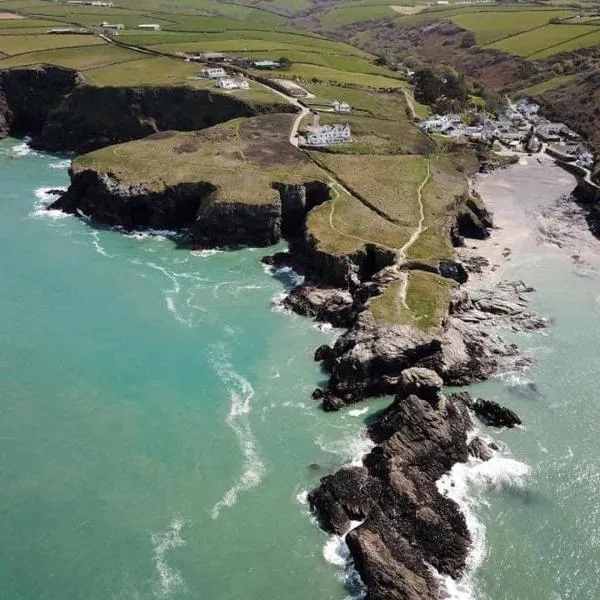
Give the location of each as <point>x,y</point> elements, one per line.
<point>63,114</point>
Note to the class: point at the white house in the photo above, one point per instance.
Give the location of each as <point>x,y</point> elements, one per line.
<point>213,72</point>
<point>340,106</point>
<point>149,26</point>
<point>324,135</point>
<point>227,83</point>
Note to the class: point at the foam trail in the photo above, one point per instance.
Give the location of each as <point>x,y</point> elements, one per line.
<point>336,552</point>
<point>168,579</point>
<point>463,484</point>
<point>98,246</point>
<point>241,394</point>
<point>357,412</point>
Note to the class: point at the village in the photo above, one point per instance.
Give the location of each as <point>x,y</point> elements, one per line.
<point>521,129</point>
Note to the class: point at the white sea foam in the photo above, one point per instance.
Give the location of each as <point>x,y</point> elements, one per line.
<point>60,164</point>
<point>23,149</point>
<point>336,552</point>
<point>323,327</point>
<point>350,449</point>
<point>43,200</point>
<point>158,235</point>
<point>464,484</point>
<point>206,253</point>
<point>357,412</point>
<point>241,395</point>
<point>302,497</point>
<point>168,579</point>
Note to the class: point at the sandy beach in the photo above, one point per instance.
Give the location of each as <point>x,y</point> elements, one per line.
<point>532,210</point>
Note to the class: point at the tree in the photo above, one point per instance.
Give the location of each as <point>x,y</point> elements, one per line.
<point>284,61</point>
<point>468,40</point>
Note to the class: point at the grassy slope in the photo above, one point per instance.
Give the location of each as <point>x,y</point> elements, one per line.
<point>230,156</point>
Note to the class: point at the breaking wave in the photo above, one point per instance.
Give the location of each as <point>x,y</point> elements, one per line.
<point>44,198</point>
<point>168,579</point>
<point>350,449</point>
<point>337,553</point>
<point>464,484</point>
<point>253,468</point>
<point>60,164</point>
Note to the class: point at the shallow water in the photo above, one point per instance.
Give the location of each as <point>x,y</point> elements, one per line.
<point>156,426</point>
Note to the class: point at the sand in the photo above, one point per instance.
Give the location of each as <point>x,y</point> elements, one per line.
<point>532,213</point>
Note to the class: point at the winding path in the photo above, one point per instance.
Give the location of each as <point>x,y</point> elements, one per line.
<point>419,229</point>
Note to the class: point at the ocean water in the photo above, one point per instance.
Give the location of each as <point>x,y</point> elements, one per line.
<point>157,435</point>
<point>156,427</point>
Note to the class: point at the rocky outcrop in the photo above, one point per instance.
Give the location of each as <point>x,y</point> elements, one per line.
<point>61,113</point>
<point>331,305</point>
<point>407,523</point>
<point>418,381</point>
<point>369,359</point>
<point>470,220</point>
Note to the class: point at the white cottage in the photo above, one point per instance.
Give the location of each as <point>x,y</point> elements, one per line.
<point>213,72</point>
<point>340,106</point>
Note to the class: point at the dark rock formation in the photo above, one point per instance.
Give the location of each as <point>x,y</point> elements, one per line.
<point>491,413</point>
<point>425,383</point>
<point>453,270</point>
<point>471,221</point>
<point>331,305</point>
<point>407,523</point>
<point>105,201</point>
<point>488,411</point>
<point>194,206</point>
<point>63,114</point>
<point>370,358</point>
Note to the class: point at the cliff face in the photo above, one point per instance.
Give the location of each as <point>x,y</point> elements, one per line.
<point>63,114</point>
<point>195,206</point>
<point>27,96</point>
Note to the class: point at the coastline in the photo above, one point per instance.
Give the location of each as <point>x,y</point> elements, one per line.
<point>529,203</point>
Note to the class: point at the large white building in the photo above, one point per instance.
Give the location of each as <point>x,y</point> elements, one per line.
<point>227,83</point>
<point>324,135</point>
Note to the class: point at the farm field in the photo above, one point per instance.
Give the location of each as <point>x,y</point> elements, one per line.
<point>19,44</point>
<point>550,84</point>
<point>88,57</point>
<point>545,40</point>
<point>491,26</point>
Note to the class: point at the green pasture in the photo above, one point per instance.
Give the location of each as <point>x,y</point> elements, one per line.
<point>346,15</point>
<point>13,44</point>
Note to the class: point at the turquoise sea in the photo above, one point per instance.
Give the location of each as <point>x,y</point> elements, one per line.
<point>157,434</point>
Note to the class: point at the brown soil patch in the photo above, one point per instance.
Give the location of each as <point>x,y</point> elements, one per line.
<point>6,16</point>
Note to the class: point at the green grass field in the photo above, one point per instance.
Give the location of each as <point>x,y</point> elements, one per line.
<point>544,41</point>
<point>550,84</point>
<point>11,44</point>
<point>490,27</point>
<point>89,57</point>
